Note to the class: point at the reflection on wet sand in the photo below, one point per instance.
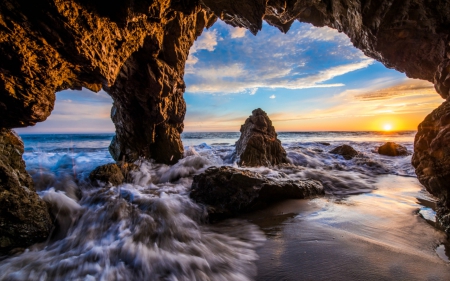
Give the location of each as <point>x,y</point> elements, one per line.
<point>382,235</point>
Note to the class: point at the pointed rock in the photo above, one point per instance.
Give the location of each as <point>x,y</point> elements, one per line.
<point>258,144</point>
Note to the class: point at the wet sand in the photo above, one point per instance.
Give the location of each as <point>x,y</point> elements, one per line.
<point>380,235</point>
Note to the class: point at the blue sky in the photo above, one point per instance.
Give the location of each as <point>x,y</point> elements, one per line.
<point>308,79</point>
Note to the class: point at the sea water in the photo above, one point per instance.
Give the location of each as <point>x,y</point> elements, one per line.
<point>151,230</point>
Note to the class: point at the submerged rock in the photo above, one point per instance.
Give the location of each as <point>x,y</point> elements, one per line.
<point>392,149</point>
<point>112,173</point>
<point>24,216</point>
<point>345,151</point>
<point>258,144</point>
<point>227,191</point>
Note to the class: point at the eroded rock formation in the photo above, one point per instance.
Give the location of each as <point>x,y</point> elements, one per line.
<point>431,156</point>
<point>227,192</point>
<point>24,217</point>
<point>258,144</point>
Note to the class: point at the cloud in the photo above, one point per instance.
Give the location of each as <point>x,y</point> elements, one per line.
<point>236,79</point>
<point>272,97</point>
<point>237,32</point>
<point>307,57</point>
<point>208,41</point>
<point>408,88</point>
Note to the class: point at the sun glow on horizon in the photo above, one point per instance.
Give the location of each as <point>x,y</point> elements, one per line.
<point>387,127</point>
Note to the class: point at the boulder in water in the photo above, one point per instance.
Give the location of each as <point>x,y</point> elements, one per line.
<point>113,173</point>
<point>345,151</point>
<point>24,216</point>
<point>227,191</point>
<point>258,144</point>
<point>392,149</point>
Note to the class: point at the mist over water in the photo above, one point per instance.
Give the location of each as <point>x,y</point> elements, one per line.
<point>150,229</point>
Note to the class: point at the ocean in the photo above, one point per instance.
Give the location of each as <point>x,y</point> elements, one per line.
<point>375,222</point>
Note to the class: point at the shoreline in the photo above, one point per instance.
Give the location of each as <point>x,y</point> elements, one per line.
<point>356,237</point>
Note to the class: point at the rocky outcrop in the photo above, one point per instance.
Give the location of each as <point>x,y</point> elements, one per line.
<point>24,217</point>
<point>112,173</point>
<point>392,149</point>
<point>345,151</point>
<point>258,144</point>
<point>227,191</point>
<point>134,50</point>
<point>431,157</point>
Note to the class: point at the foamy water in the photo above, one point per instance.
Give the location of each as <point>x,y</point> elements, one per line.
<point>150,229</point>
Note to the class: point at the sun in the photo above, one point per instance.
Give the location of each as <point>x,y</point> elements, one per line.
<point>387,127</point>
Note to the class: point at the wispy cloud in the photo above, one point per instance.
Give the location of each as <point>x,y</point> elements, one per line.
<point>236,79</point>
<point>272,96</point>
<point>409,88</point>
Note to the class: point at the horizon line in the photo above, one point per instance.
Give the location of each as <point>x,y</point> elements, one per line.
<point>311,131</point>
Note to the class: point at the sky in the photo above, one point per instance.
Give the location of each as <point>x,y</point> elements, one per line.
<point>310,79</point>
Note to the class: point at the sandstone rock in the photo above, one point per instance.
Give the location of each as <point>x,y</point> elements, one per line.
<point>258,144</point>
<point>113,173</point>
<point>392,149</point>
<point>431,157</point>
<point>345,151</point>
<point>227,191</point>
<point>24,216</point>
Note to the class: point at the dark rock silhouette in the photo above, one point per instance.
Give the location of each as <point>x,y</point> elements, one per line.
<point>258,144</point>
<point>227,191</point>
<point>431,157</point>
<point>392,149</point>
<point>24,216</point>
<point>345,151</point>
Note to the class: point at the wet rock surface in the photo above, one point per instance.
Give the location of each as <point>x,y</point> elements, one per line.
<point>227,191</point>
<point>109,173</point>
<point>431,157</point>
<point>24,216</point>
<point>345,151</point>
<point>258,144</point>
<point>112,173</point>
<point>392,149</point>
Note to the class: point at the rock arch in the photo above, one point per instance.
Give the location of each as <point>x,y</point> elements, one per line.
<point>136,51</point>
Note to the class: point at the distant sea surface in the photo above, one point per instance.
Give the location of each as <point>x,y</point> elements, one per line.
<point>376,221</point>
